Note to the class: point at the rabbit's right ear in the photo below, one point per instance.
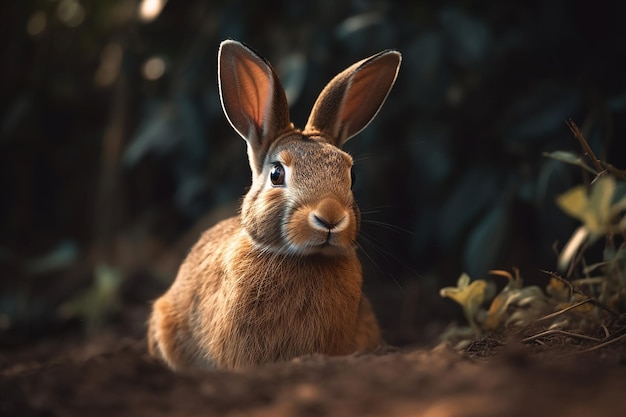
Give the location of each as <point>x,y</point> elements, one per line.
<point>252,98</point>
<point>351,100</point>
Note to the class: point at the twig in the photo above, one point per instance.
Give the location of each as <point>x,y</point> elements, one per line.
<point>561,332</point>
<point>601,345</point>
<point>607,334</point>
<point>601,167</point>
<point>616,172</point>
<point>566,309</point>
<point>573,290</point>
<point>590,281</point>
<point>583,142</point>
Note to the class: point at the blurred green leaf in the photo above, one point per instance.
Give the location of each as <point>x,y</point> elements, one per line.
<point>469,295</point>
<point>61,256</point>
<point>593,209</point>
<point>600,209</point>
<point>574,202</point>
<point>515,304</point>
<point>597,210</point>
<point>570,158</point>
<point>97,301</point>
<point>618,207</point>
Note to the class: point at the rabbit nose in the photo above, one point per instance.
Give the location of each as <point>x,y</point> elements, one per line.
<point>323,222</point>
<point>329,215</point>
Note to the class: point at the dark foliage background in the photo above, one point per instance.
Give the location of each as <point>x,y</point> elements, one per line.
<point>114,153</point>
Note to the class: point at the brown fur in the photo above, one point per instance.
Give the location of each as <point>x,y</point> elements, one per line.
<point>282,279</point>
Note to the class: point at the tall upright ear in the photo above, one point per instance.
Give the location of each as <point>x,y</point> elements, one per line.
<point>351,100</point>
<point>253,99</point>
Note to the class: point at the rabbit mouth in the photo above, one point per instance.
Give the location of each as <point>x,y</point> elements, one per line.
<point>327,249</point>
<point>325,243</point>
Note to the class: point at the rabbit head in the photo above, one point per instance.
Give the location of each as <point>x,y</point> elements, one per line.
<point>300,201</point>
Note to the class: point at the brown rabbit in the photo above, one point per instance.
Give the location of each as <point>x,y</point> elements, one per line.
<point>282,279</point>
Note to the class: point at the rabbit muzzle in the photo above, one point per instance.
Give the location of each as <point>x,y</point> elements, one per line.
<point>327,227</point>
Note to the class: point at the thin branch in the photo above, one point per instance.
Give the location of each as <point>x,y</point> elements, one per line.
<point>616,172</point>
<point>607,334</point>
<point>583,142</point>
<point>566,309</point>
<point>601,345</point>
<point>561,332</point>
<point>601,167</point>
<point>574,290</point>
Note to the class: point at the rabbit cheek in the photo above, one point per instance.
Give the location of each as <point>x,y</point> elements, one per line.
<point>262,215</point>
<point>299,233</point>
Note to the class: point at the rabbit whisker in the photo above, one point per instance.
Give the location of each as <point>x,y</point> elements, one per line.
<point>384,254</point>
<point>387,226</point>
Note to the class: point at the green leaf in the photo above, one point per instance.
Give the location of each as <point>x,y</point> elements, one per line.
<point>469,295</point>
<point>518,306</point>
<point>593,210</point>
<point>570,158</point>
<point>620,192</point>
<point>598,216</point>
<point>618,206</point>
<point>574,202</point>
<point>99,300</point>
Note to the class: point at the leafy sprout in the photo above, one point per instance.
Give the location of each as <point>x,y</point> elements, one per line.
<point>566,302</point>
<point>513,305</point>
<point>470,295</point>
<point>598,211</point>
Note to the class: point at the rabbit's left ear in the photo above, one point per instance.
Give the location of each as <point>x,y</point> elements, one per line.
<point>252,98</point>
<point>353,98</point>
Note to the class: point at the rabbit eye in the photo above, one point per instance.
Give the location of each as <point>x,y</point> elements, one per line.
<point>277,174</point>
<point>352,178</point>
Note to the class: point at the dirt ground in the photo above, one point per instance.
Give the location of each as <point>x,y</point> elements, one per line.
<point>110,374</point>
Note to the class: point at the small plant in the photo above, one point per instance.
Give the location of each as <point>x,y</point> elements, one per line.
<point>590,296</point>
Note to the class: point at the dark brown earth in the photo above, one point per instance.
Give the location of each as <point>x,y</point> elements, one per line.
<point>110,374</point>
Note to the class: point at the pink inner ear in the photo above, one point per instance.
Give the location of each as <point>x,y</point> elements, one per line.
<point>253,87</point>
<point>368,91</point>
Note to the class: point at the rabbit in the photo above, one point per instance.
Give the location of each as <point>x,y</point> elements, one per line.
<point>282,279</point>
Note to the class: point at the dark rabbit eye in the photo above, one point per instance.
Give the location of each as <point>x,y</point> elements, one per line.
<point>277,174</point>
<point>352,178</point>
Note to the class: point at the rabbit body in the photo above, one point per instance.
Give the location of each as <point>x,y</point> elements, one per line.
<point>282,279</point>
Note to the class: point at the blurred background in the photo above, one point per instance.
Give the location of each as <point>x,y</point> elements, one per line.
<point>115,154</point>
